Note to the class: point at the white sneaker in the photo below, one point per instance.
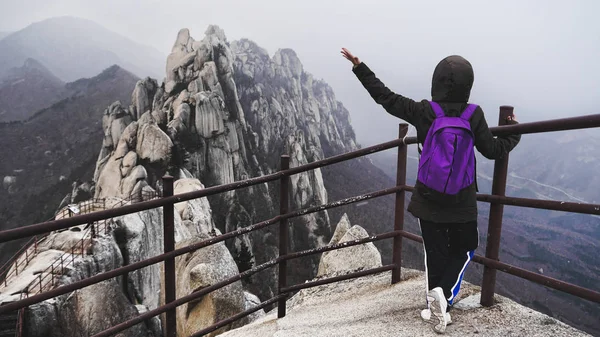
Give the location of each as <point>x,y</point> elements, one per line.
<point>438,308</point>
<point>426,316</point>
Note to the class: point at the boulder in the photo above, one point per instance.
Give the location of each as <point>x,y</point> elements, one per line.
<point>201,269</point>
<point>128,163</point>
<point>196,211</point>
<point>365,256</point>
<point>143,96</point>
<point>153,144</point>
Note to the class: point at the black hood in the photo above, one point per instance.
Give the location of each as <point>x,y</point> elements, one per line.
<point>452,80</point>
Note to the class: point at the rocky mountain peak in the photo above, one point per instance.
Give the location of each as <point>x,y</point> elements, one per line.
<point>226,112</point>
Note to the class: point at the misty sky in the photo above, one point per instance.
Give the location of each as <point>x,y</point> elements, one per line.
<point>540,56</point>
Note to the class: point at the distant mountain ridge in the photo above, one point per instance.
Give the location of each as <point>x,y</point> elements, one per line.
<point>73,48</point>
<point>27,89</point>
<point>53,147</point>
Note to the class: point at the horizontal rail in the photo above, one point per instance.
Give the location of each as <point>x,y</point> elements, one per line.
<point>562,124</point>
<point>346,156</point>
<point>343,202</point>
<point>185,299</point>
<point>157,259</point>
<point>338,278</point>
<point>238,316</point>
<point>571,207</point>
<point>131,267</point>
<point>307,252</point>
<point>6,266</point>
<point>21,232</point>
<point>589,121</point>
<point>544,280</point>
<point>184,250</point>
<point>551,205</point>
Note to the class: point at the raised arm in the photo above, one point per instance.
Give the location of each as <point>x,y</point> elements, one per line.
<point>396,105</point>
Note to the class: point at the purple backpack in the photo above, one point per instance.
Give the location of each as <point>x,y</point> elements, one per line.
<point>447,164</point>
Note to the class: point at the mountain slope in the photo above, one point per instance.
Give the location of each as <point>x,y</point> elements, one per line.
<point>4,34</point>
<point>74,48</point>
<point>27,89</point>
<point>54,147</point>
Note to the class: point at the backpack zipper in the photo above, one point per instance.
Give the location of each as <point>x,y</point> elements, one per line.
<point>452,164</point>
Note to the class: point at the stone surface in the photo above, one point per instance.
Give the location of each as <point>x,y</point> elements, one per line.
<point>370,306</point>
<point>365,256</point>
<point>140,236</point>
<point>153,144</point>
<point>196,211</point>
<point>198,270</point>
<point>225,112</point>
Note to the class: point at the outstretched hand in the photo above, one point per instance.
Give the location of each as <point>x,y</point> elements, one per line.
<point>348,55</point>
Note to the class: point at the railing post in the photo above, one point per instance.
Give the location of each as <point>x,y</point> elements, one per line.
<point>283,232</point>
<point>494,233</point>
<point>399,207</point>
<point>169,270</point>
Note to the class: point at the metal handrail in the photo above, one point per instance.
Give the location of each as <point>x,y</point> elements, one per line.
<point>84,206</point>
<point>169,200</point>
<point>88,235</point>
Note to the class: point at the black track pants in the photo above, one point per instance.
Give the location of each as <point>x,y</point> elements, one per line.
<point>449,247</point>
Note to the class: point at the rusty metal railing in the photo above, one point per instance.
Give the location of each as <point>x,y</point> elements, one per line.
<point>490,261</point>
<point>12,265</point>
<point>10,268</point>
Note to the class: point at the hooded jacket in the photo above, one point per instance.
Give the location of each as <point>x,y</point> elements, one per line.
<point>450,87</point>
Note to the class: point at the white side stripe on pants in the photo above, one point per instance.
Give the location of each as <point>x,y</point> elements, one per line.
<point>426,275</point>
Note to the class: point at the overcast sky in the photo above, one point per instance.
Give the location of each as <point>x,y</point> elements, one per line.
<point>540,56</point>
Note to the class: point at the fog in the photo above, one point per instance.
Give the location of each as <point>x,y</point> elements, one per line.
<point>539,56</point>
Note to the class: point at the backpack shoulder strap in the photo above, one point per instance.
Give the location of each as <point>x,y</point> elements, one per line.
<point>439,112</point>
<point>468,113</point>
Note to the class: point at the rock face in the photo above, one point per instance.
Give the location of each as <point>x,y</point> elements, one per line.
<point>227,112</point>
<point>137,237</point>
<point>365,256</point>
<point>84,312</point>
<point>201,269</point>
